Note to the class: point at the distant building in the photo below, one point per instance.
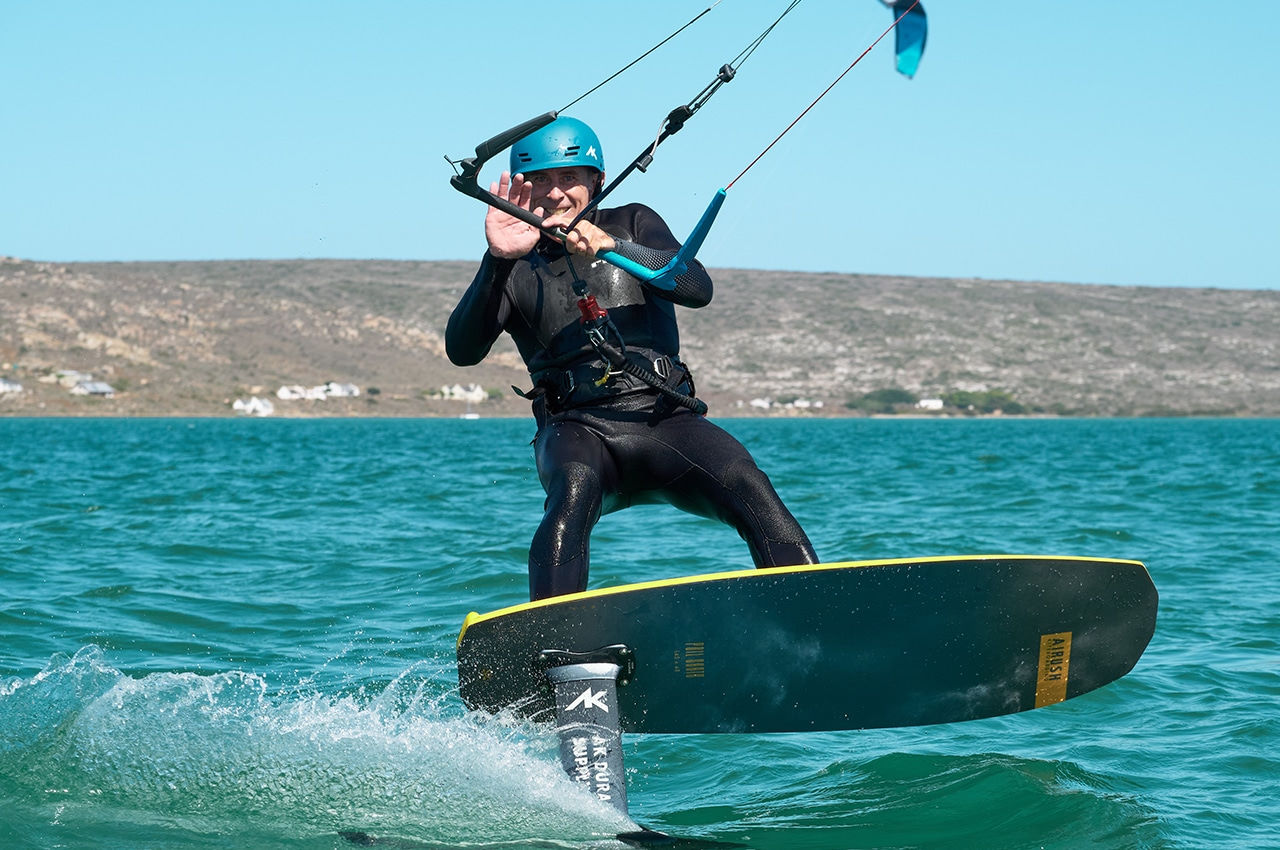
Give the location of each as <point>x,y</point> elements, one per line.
<point>295,392</point>
<point>254,406</point>
<point>929,404</point>
<point>94,388</point>
<point>8,386</point>
<point>336,390</point>
<point>473,393</point>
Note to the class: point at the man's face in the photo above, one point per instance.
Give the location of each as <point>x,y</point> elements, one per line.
<point>562,190</point>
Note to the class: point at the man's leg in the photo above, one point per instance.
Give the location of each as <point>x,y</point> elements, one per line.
<point>743,496</point>
<point>576,471</point>
<point>701,468</point>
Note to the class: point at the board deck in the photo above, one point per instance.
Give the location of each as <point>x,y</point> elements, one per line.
<point>853,645</point>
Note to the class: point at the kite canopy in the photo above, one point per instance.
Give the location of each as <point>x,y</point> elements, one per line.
<point>910,34</point>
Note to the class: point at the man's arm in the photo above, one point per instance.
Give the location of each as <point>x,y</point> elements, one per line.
<point>476,322</point>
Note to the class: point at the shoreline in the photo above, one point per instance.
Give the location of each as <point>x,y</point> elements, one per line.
<point>505,416</point>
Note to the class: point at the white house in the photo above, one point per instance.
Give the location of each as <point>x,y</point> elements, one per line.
<point>473,393</point>
<point>929,404</point>
<point>254,406</point>
<point>294,392</point>
<point>98,388</point>
<point>333,389</point>
<point>8,386</point>
<point>336,390</point>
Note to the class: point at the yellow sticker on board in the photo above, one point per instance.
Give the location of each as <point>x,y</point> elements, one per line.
<point>1055,663</point>
<point>694,660</point>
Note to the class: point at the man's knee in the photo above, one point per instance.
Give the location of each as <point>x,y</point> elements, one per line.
<point>576,484</point>
<point>747,481</point>
<point>775,537</point>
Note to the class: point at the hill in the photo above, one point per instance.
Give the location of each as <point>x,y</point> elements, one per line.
<point>188,338</point>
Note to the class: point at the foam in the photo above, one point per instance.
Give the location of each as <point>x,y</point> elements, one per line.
<point>230,747</point>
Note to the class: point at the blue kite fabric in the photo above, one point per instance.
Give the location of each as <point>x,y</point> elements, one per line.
<point>910,34</point>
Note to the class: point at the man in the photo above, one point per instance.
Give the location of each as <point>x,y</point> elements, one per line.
<point>606,439</point>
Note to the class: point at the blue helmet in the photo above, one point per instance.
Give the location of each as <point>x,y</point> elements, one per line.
<point>563,143</point>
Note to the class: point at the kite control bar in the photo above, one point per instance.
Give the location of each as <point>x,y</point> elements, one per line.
<point>465,181</point>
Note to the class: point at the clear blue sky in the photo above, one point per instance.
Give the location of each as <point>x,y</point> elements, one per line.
<point>1089,141</point>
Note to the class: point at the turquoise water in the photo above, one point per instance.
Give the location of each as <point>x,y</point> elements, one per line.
<point>237,634</point>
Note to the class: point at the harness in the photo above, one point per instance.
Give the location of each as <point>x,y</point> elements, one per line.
<point>617,368</point>
<point>586,383</point>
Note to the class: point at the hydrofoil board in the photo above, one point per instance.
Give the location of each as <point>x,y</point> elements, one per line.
<point>854,645</point>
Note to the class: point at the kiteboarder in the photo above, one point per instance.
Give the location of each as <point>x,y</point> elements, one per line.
<point>609,433</point>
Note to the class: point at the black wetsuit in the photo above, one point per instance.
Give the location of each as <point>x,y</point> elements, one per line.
<point>606,443</point>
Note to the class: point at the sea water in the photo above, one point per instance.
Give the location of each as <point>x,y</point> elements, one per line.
<point>240,634</point>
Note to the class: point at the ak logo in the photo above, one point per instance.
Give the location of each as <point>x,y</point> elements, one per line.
<point>589,699</point>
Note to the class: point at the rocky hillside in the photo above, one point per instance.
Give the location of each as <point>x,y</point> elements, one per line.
<point>189,338</point>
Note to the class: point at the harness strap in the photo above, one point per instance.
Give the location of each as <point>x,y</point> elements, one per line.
<point>621,373</point>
